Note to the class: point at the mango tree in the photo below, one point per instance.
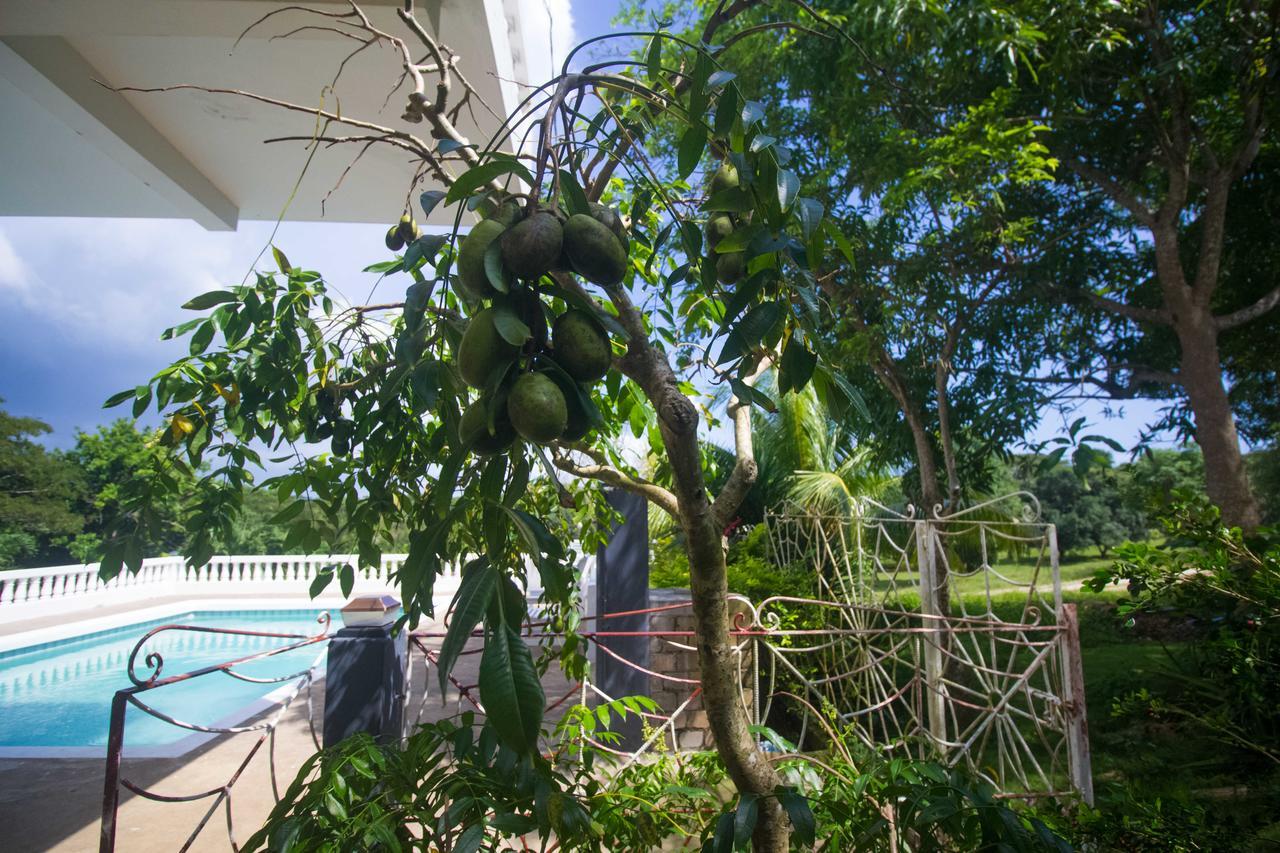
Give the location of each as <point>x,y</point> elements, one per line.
<point>602,287</point>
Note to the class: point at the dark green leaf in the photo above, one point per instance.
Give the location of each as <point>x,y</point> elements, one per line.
<point>801,815</point>
<point>429,199</point>
<point>689,152</point>
<point>470,839</point>
<point>511,327</point>
<point>320,581</point>
<point>511,690</point>
<point>497,273</point>
<point>479,580</point>
<point>575,198</point>
<point>346,579</point>
<point>734,200</point>
<point>744,819</point>
<point>752,394</point>
<point>719,78</point>
<point>477,176</point>
<point>281,261</point>
<point>788,188</point>
<point>425,247</point>
<point>208,300</point>
<point>116,399</point>
<point>809,212</point>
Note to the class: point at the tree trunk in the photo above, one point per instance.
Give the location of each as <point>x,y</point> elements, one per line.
<point>727,718</point>
<point>931,496</point>
<point>1226,480</point>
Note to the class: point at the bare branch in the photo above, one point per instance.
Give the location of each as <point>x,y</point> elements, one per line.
<point>1113,190</point>
<point>598,469</point>
<point>1249,312</point>
<point>745,468</point>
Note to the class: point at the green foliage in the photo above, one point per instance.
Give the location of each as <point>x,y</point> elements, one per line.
<point>36,490</point>
<point>1227,585</point>
<point>1089,513</point>
<point>113,456</point>
<point>452,785</point>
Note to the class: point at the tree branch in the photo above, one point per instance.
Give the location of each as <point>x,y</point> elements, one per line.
<point>598,469</point>
<point>745,468</point>
<point>1249,312</point>
<point>1113,190</point>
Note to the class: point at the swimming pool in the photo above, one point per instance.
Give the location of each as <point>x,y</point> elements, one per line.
<point>57,695</point>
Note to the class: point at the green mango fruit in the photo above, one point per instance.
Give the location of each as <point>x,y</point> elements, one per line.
<point>482,350</point>
<point>730,267</point>
<point>537,408</point>
<point>530,248</point>
<point>471,274</point>
<point>581,346</point>
<point>475,434</point>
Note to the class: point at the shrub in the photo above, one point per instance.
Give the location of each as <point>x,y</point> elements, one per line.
<point>1226,585</point>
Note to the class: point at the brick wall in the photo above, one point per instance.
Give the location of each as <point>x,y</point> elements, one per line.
<point>667,658</point>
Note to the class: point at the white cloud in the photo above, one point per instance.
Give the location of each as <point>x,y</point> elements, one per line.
<point>14,274</point>
<point>120,282</point>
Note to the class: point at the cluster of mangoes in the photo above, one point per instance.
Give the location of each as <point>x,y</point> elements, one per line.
<point>536,389</point>
<point>730,266</point>
<point>403,232</point>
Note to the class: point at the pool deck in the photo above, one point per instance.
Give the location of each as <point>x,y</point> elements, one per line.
<point>54,804</point>
<point>39,629</point>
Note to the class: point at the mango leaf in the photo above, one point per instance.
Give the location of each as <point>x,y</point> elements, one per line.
<point>535,534</point>
<point>346,579</point>
<point>752,112</point>
<point>809,212</point>
<point>118,398</point>
<point>733,200</point>
<point>426,247</point>
<point>797,366</point>
<point>739,239</point>
<point>801,815</point>
<point>744,819</point>
<point>788,188</point>
<point>477,176</point>
<point>479,580</point>
<point>689,152</point>
<point>720,78</point>
<point>429,199</point>
<point>753,394</point>
<point>207,300</point>
<point>510,690</point>
<point>320,581</point>
<point>752,330</point>
<point>575,198</point>
<point>726,112</point>
<point>281,261</point>
<point>497,273</point>
<point>447,146</point>
<point>511,327</point>
<point>470,839</point>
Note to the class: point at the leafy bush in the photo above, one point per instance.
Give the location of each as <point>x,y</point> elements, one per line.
<point>448,788</point>
<point>1226,586</point>
<point>752,573</point>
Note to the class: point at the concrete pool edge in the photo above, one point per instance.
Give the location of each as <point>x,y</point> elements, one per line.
<point>75,628</point>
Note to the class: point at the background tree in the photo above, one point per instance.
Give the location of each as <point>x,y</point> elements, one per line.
<point>108,459</point>
<point>36,490</point>
<point>931,185</point>
<point>1158,114</point>
<point>1090,511</point>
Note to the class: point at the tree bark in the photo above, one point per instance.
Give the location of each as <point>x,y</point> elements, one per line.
<point>1226,480</point>
<point>678,419</point>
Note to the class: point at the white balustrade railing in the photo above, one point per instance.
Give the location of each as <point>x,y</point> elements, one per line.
<point>26,592</point>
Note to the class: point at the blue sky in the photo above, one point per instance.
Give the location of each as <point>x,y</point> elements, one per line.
<point>83,301</point>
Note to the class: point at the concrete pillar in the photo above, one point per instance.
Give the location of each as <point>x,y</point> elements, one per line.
<point>366,683</point>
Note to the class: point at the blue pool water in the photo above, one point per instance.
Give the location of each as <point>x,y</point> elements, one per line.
<point>59,694</point>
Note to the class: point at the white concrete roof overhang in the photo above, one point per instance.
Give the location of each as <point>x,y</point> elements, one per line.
<point>71,147</point>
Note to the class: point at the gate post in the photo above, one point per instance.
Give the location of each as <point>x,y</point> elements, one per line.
<point>1079,761</point>
<point>931,642</point>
